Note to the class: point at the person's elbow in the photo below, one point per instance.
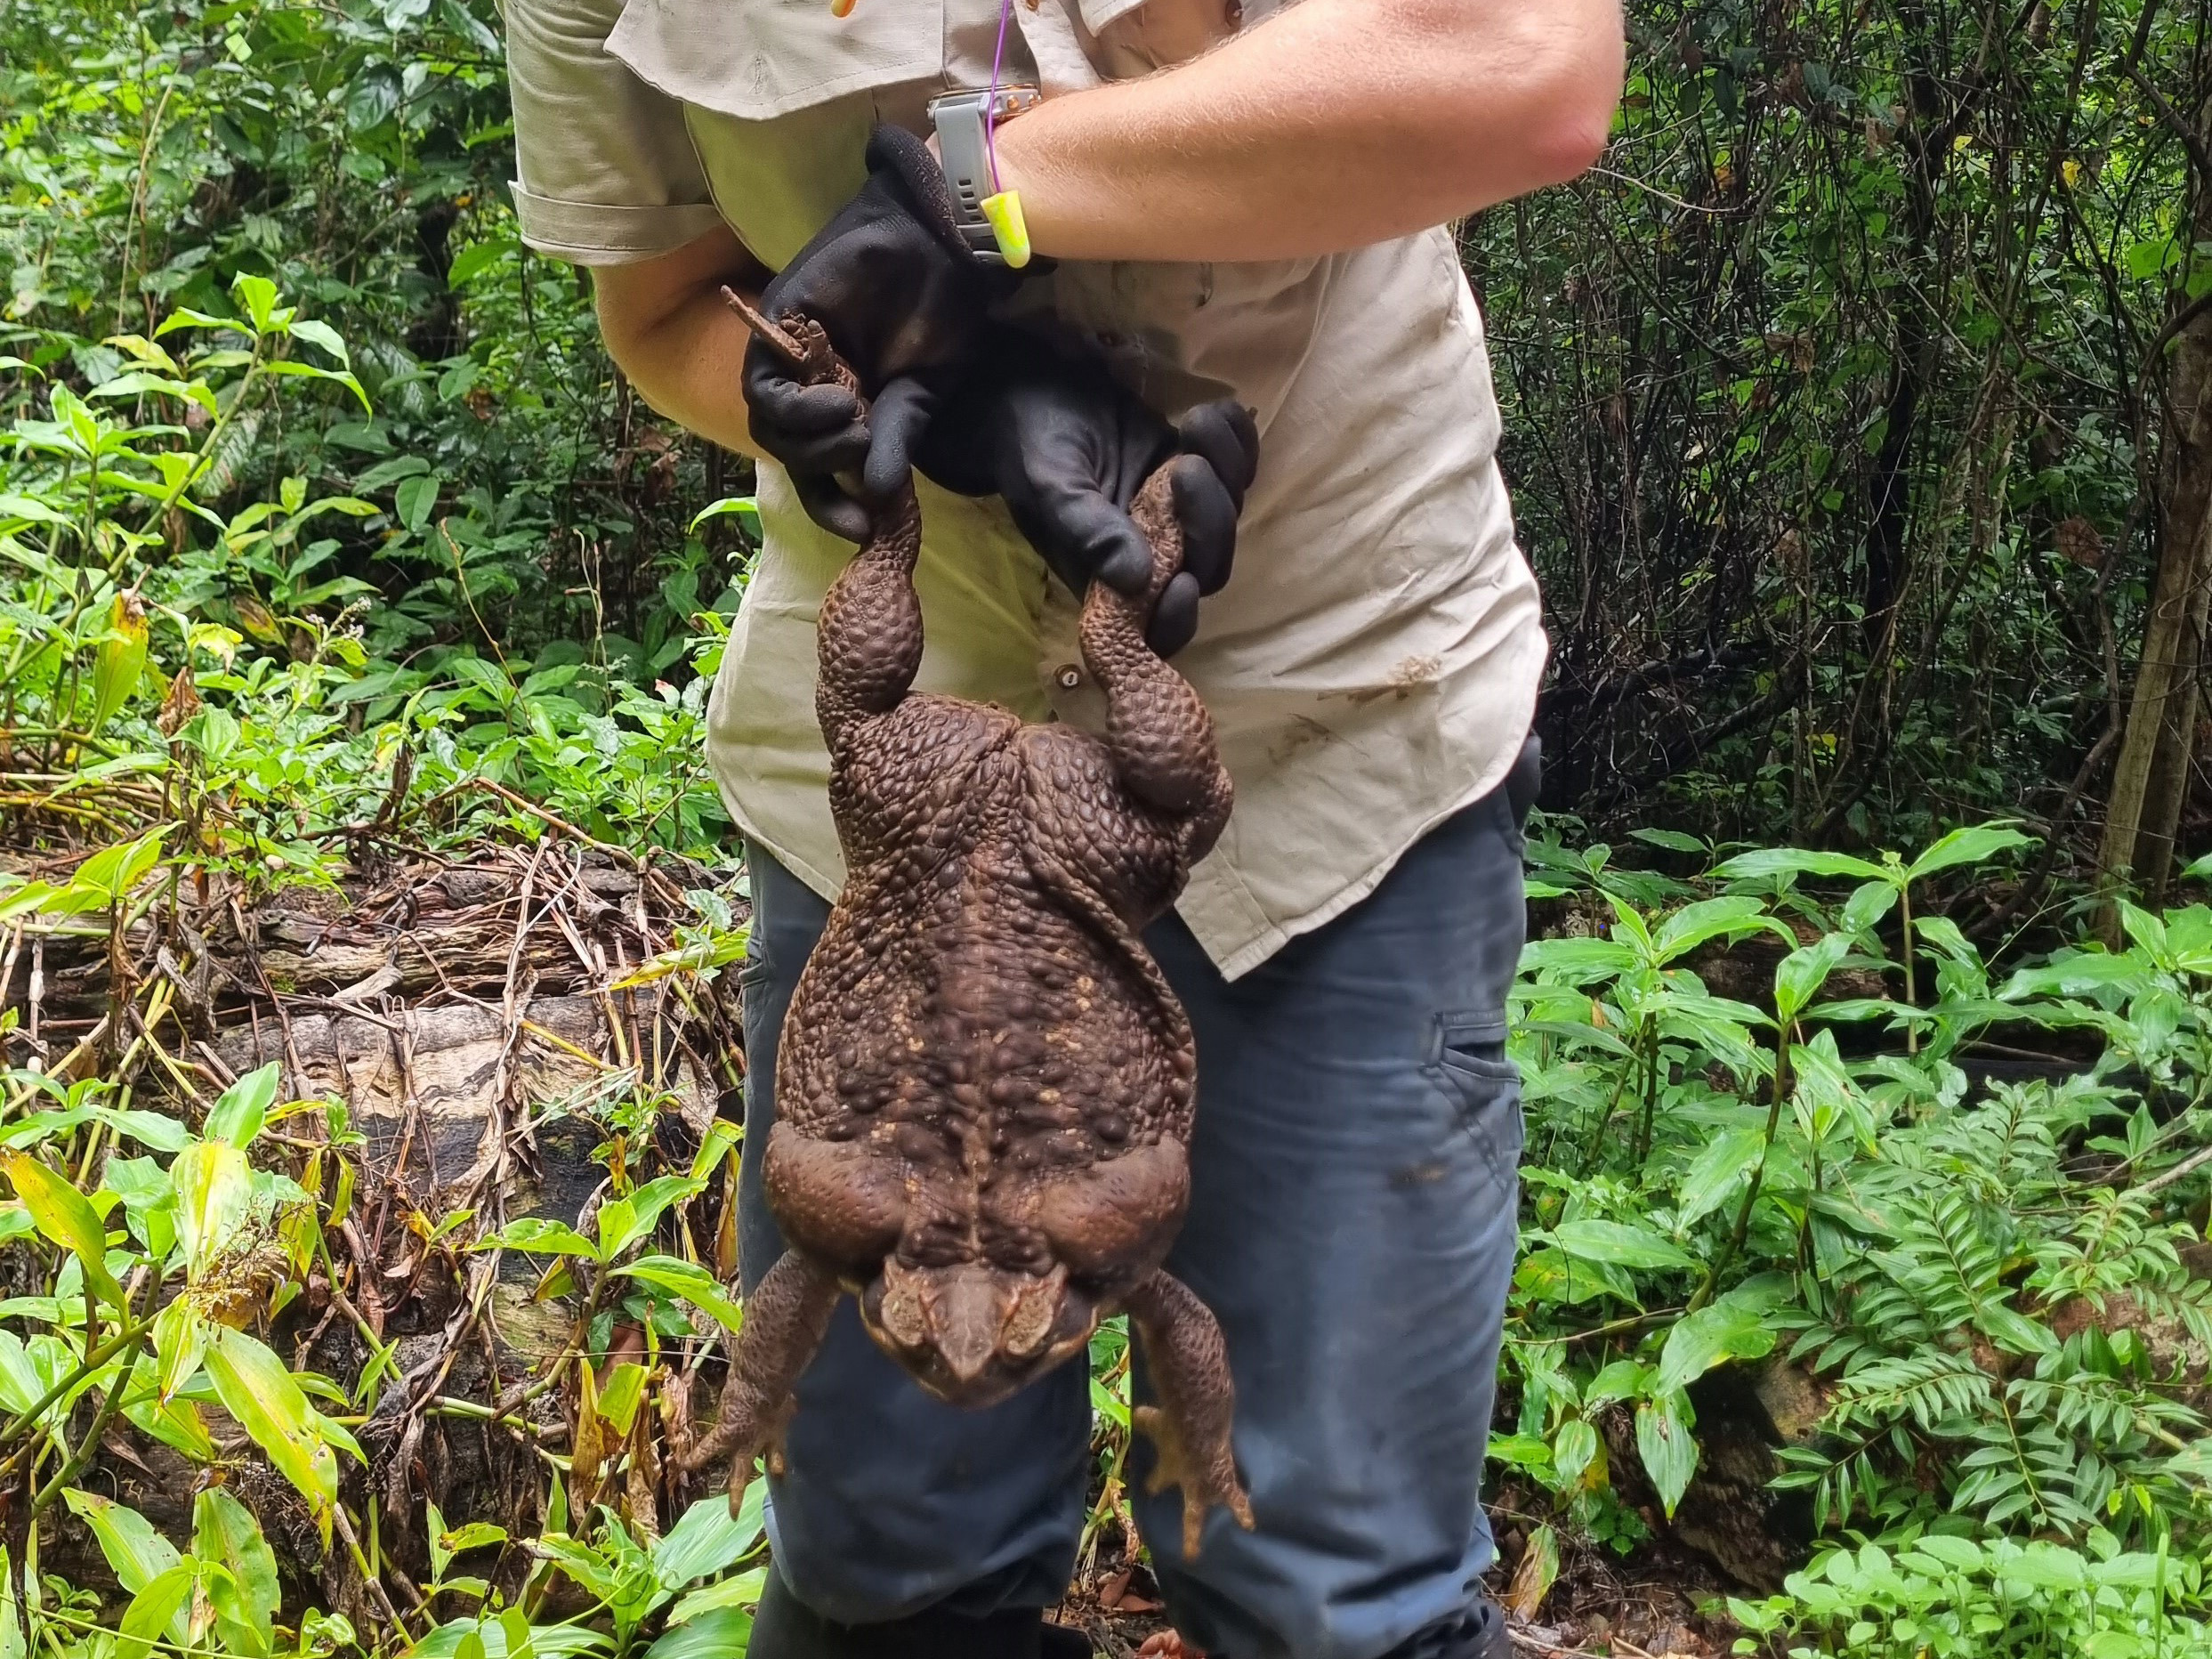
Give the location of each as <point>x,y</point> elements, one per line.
<point>1571,131</point>
<point>1530,90</point>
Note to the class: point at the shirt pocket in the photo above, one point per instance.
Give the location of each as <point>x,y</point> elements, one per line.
<point>761,58</point>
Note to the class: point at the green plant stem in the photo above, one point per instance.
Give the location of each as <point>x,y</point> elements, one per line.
<point>91,1362</point>
<point>1904,933</point>
<point>1741,1230</point>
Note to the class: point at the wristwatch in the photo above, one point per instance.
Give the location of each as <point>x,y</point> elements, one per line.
<point>964,151</point>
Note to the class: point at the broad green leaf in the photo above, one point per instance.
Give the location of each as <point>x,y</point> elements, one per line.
<point>1708,919</point>
<point>214,1186</point>
<point>548,1641</point>
<point>621,1394</point>
<point>12,1643</point>
<point>626,1220</point>
<point>707,1538</point>
<point>1623,1380</point>
<point>708,1633</point>
<point>540,1236</point>
<point>138,1554</point>
<point>694,1284</point>
<point>120,662</point>
<point>1800,975</point>
<point>1973,845</point>
<point>322,335</point>
<point>2045,1567</point>
<point>180,1340</point>
<point>66,1217</point>
<point>1574,1448</point>
<point>746,508</point>
<point>1767,862</point>
<point>721,1138</point>
<point>1705,1339</point>
<point>1668,1449</point>
<point>257,1388</point>
<point>162,1608</point>
<point>1577,961</point>
<point>415,499</point>
<point>225,1531</point>
<point>1619,1243</point>
<point>238,1115</point>
<point>1868,904</point>
<point>1717,1170</point>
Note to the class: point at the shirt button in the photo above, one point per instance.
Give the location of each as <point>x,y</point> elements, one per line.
<point>1069,676</point>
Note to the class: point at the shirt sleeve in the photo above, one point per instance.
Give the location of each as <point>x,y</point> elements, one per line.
<point>609,174</point>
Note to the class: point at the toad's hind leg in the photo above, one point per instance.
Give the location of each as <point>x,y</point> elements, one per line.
<point>868,638</point>
<point>784,1319</point>
<point>1157,731</point>
<point>1189,1365</point>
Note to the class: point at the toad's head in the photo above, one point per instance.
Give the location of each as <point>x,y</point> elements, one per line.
<point>973,1332</point>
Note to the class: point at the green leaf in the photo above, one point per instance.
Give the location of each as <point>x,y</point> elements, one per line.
<point>224,1531</point>
<point>1975,843</point>
<point>1574,1448</point>
<point>1708,919</point>
<point>1705,1339</point>
<point>1868,904</point>
<point>1668,1449</point>
<point>713,1633</point>
<point>746,508</point>
<point>1618,1244</point>
<point>476,259</point>
<point>64,1216</point>
<point>1717,1171</point>
<point>1765,864</point>
<point>257,297</point>
<point>623,1221</point>
<point>540,1236</point>
<point>321,334</point>
<point>138,1554</point>
<point>621,1394</point>
<point>257,1388</point>
<point>180,1341</point>
<point>694,1284</point>
<point>415,499</point>
<point>215,1187</point>
<point>238,1115</point>
<point>707,1538</point>
<point>162,1608</point>
<point>1800,975</point>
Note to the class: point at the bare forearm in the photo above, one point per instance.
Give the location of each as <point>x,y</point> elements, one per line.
<point>1336,123</point>
<point>666,326</point>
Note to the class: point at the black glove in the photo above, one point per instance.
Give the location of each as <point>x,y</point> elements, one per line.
<point>904,302</point>
<point>1067,447</point>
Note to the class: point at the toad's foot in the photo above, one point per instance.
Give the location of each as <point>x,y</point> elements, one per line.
<point>1189,1366</point>
<point>784,1318</point>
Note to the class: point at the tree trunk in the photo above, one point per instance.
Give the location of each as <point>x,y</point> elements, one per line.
<point>2150,783</point>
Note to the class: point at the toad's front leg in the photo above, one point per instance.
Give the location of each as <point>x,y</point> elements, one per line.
<point>1189,1365</point>
<point>784,1319</point>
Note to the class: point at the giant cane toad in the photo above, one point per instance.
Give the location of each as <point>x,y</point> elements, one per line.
<point>985,1085</point>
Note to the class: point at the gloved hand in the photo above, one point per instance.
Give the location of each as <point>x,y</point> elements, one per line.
<point>904,302</point>
<point>1067,447</point>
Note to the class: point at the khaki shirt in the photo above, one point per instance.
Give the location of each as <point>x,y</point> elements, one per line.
<point>1372,666</point>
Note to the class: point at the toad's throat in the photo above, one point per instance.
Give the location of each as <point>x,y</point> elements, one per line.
<point>972,1333</point>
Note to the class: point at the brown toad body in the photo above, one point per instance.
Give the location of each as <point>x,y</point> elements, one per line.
<point>985,1085</point>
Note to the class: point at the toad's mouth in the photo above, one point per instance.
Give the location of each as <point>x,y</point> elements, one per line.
<point>972,1333</point>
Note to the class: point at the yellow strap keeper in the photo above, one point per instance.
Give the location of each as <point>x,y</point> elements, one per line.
<point>1003,211</point>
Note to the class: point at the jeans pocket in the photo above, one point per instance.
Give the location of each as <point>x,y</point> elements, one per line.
<point>1467,1061</point>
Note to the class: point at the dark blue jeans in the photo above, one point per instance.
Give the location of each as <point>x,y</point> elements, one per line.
<point>1353,1189</point>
